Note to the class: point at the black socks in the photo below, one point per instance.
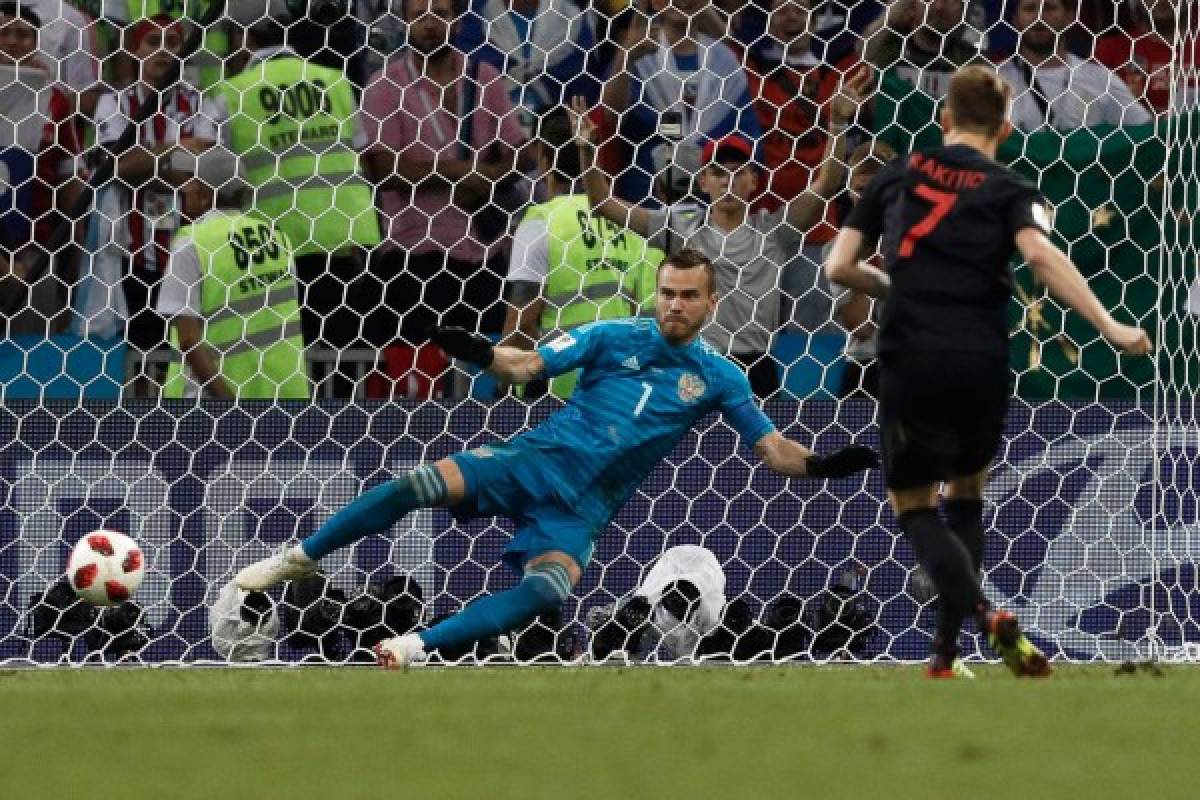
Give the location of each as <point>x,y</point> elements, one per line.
<point>965,518</point>
<point>949,562</point>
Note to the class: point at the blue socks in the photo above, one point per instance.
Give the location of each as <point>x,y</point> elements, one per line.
<point>544,586</point>
<point>377,510</point>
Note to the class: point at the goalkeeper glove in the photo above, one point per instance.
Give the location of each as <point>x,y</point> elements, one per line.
<point>846,461</point>
<point>461,343</point>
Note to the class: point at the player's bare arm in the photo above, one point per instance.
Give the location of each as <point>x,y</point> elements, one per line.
<point>506,364</point>
<point>600,195</point>
<point>522,320</point>
<point>1052,268</point>
<point>793,459</point>
<point>807,209</point>
<point>846,266</point>
<point>514,365</point>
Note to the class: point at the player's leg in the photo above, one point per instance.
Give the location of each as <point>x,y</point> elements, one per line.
<point>426,486</point>
<point>947,562</point>
<point>548,580</point>
<point>963,505</point>
<point>964,514</point>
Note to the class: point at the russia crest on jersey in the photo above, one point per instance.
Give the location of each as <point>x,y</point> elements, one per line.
<point>691,387</point>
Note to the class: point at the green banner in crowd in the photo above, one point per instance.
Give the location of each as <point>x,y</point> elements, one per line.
<point>1106,187</point>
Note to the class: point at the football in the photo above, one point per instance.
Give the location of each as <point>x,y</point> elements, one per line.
<point>106,567</point>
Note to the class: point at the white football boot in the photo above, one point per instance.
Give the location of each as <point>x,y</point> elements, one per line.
<point>288,564</point>
<point>400,651</point>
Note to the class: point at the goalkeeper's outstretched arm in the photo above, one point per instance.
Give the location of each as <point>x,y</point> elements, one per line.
<point>604,202</point>
<point>506,364</point>
<point>796,461</point>
<point>514,365</point>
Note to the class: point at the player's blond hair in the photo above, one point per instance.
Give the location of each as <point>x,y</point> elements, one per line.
<point>978,100</point>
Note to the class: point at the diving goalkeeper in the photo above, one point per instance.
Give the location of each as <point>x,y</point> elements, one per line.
<point>643,384</point>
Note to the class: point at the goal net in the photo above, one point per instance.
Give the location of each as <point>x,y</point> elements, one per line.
<point>416,136</point>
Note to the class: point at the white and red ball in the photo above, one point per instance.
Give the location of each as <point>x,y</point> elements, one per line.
<point>106,568</point>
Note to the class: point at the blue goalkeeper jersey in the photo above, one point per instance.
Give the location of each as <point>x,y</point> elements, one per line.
<point>638,395</point>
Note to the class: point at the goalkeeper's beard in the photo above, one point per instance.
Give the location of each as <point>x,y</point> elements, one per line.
<point>677,328</point>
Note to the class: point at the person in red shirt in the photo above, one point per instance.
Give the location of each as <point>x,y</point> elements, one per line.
<point>793,90</point>
<point>796,96</point>
<point>1141,55</point>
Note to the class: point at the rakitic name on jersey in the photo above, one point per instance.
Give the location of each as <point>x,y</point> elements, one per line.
<point>949,177</point>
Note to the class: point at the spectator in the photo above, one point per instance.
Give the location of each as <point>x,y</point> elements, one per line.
<point>922,41</point>
<point>136,214</point>
<point>797,100</point>
<point>678,603</point>
<point>205,67</point>
<point>747,249</point>
<point>244,625</point>
<point>855,310</point>
<point>37,151</point>
<point>835,26</point>
<point>1053,87</point>
<point>568,268</point>
<point>432,181</point>
<point>540,46</point>
<point>69,42</point>
<point>385,32</point>
<point>792,89</point>
<point>294,125</point>
<point>674,75</point>
<point>230,293</point>
<point>1142,56</point>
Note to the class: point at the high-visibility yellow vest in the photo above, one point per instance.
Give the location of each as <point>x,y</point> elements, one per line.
<point>250,311</point>
<point>598,270</point>
<point>292,125</point>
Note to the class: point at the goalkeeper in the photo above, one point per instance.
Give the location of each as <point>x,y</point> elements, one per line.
<point>643,384</point>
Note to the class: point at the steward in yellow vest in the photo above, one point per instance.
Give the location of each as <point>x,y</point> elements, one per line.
<point>569,268</point>
<point>230,291</point>
<point>294,127</point>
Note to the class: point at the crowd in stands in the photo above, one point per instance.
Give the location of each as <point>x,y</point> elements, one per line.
<point>516,167</point>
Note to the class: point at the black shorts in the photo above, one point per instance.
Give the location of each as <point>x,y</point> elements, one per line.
<point>941,416</point>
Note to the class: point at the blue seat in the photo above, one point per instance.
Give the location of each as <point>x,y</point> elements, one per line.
<point>810,367</point>
<point>61,367</point>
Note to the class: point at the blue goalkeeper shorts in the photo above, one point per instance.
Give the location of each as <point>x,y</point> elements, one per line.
<point>504,480</point>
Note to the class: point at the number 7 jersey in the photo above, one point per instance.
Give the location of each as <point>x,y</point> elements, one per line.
<point>947,219</point>
<point>638,395</point>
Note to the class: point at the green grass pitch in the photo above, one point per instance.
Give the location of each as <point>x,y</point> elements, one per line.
<point>799,732</point>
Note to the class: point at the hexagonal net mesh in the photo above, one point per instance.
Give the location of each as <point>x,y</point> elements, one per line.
<point>229,228</point>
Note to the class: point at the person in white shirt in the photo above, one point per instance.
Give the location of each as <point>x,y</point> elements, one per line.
<point>70,46</point>
<point>1052,86</point>
<point>681,600</point>
<point>683,620</point>
<point>244,625</point>
<point>138,215</point>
